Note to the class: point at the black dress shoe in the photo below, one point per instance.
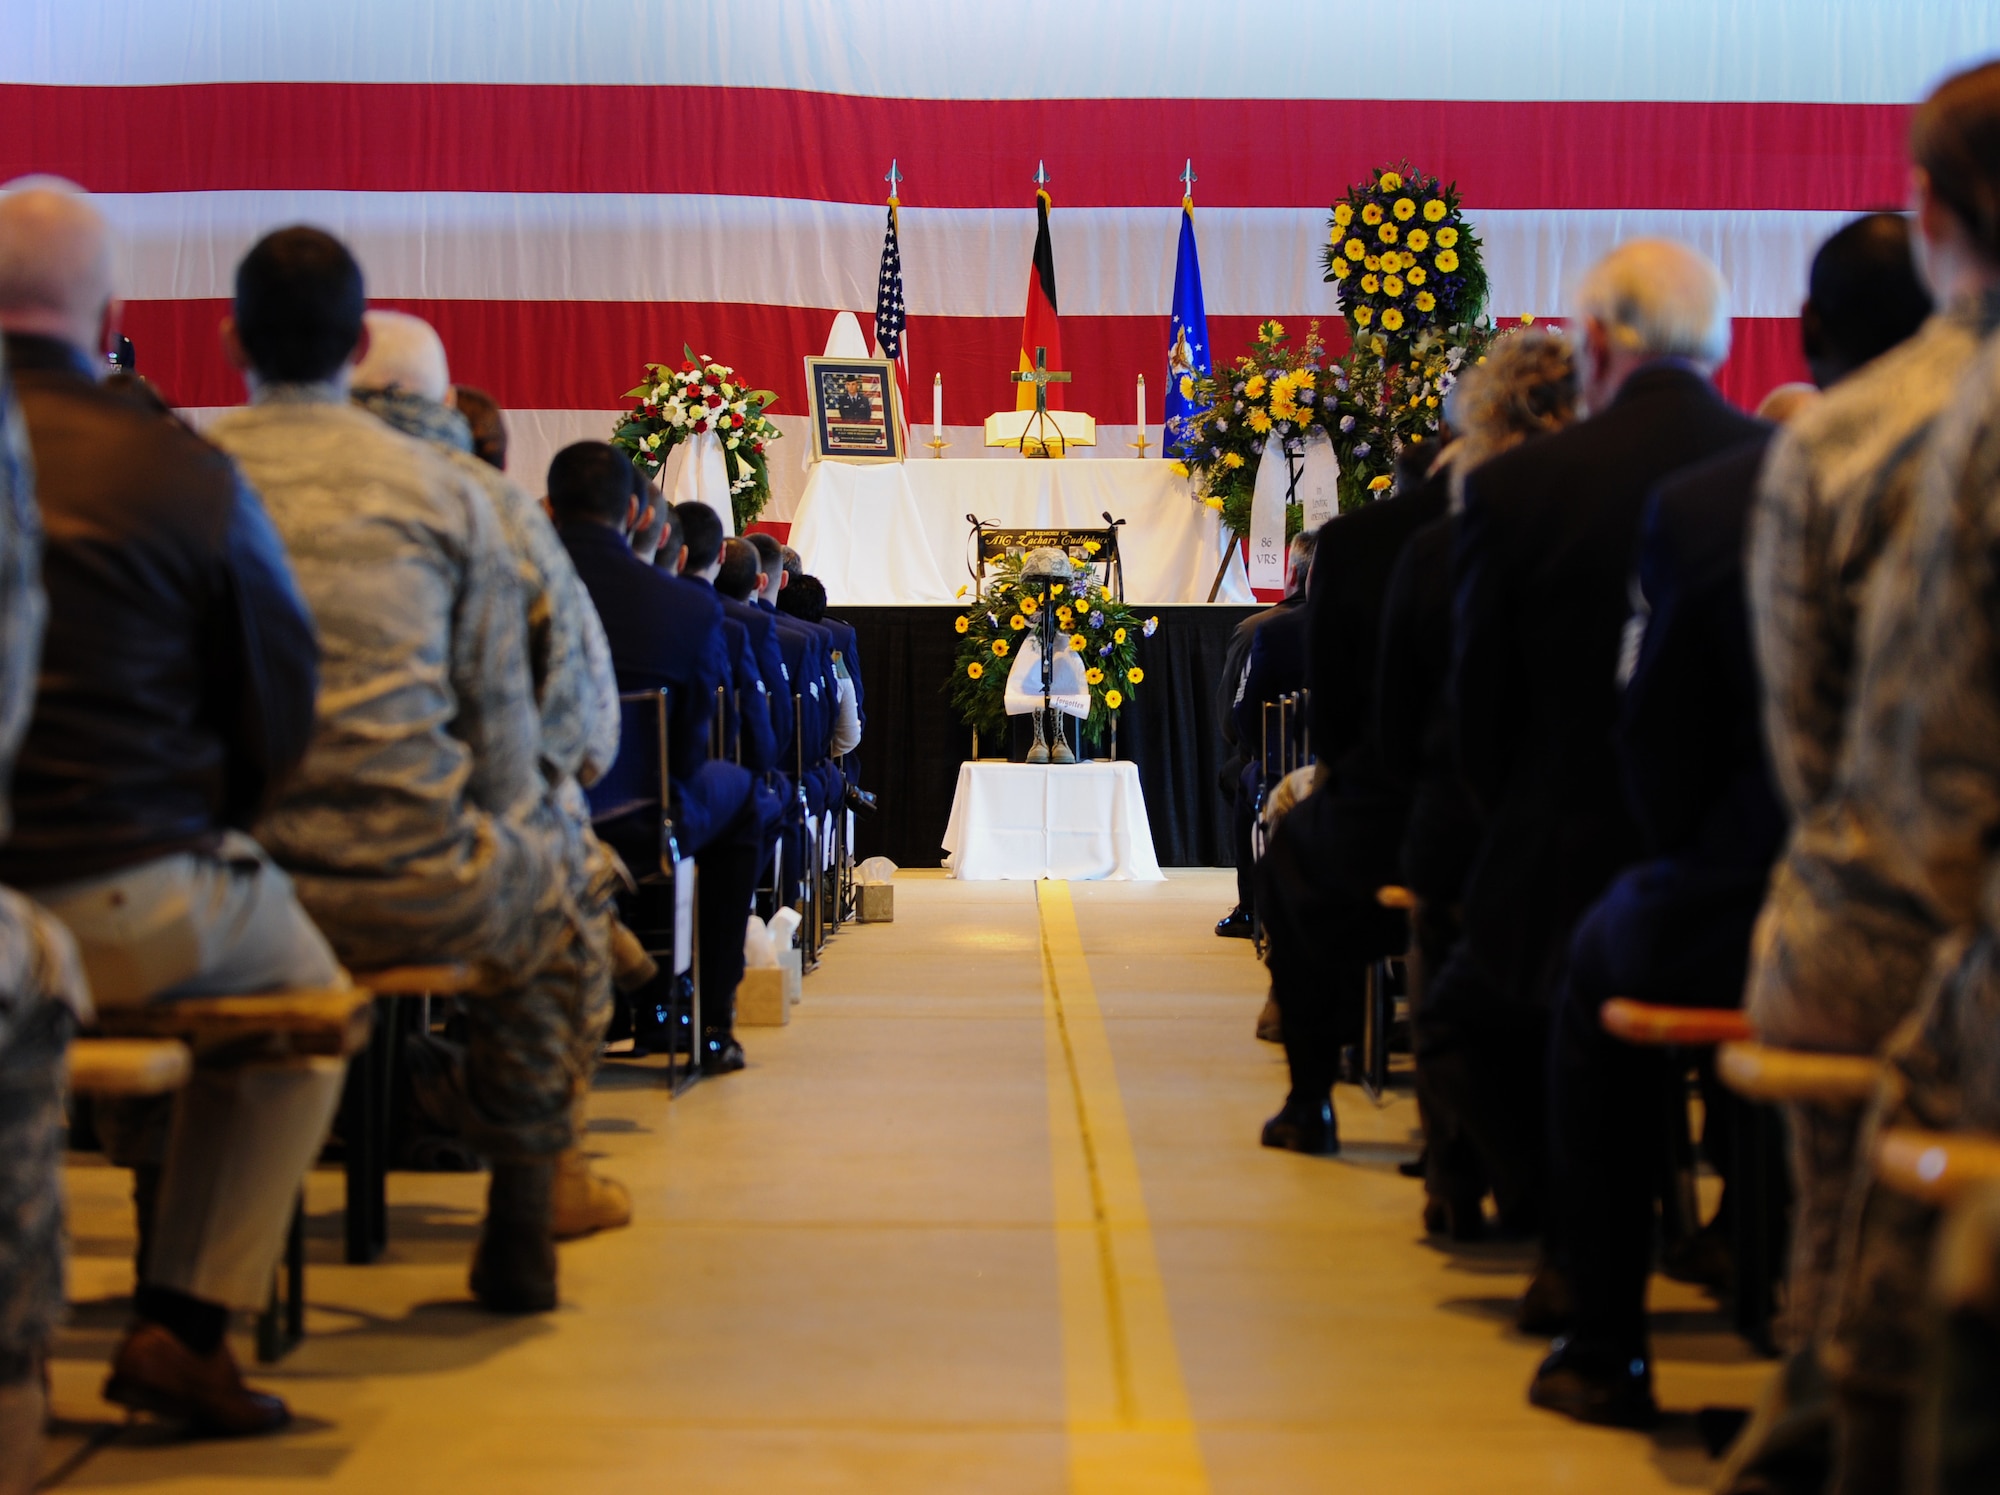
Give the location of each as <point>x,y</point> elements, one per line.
<point>1596,1383</point>
<point>1304,1129</point>
<point>1236,924</point>
<point>1461,1219</point>
<point>1548,1306</point>
<point>721,1054</point>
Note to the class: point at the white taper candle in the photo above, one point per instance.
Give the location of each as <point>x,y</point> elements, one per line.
<point>1142,407</point>
<point>937,405</point>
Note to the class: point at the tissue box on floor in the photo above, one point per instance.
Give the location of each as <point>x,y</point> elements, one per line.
<point>874,893</point>
<point>765,998</point>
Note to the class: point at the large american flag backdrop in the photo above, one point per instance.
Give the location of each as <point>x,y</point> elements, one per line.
<point>570,190</point>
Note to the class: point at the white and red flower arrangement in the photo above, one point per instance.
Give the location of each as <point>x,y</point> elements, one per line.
<point>700,397</point>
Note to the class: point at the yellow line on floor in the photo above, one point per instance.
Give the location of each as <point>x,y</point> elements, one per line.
<point>1129,1424</point>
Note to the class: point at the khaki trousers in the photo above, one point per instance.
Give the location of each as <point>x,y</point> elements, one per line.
<point>244,1132</point>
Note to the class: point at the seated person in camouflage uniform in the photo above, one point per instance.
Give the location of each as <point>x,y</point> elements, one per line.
<point>1857,904</point>
<point>41,992</point>
<point>420,826</point>
<point>176,694</point>
<point>403,378</point>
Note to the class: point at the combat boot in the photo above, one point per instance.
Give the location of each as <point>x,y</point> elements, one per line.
<point>586,1203</point>
<point>514,1268</point>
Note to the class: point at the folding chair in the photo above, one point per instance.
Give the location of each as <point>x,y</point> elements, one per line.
<point>631,806</point>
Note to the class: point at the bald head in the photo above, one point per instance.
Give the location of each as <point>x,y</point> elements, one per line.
<point>55,263</point>
<point>404,352</point>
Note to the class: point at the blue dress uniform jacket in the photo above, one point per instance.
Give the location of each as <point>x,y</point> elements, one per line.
<point>665,631</point>
<point>763,631</point>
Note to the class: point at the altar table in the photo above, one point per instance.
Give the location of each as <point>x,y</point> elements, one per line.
<point>1082,822</point>
<point>895,533</point>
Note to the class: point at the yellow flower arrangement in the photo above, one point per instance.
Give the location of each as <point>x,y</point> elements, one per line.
<point>1417,276</point>
<point>1135,676</point>
<point>1390,182</point>
<point>1017,622</point>
<point>1371,215</point>
<point>1063,616</point>
<point>1387,233</point>
<point>1404,209</point>
<point>1392,285</point>
<point>976,670</point>
<point>1447,260</point>
<point>1343,215</point>
<point>1342,268</point>
<point>1028,604</point>
<point>1370,284</point>
<point>1431,401</point>
<point>1426,302</point>
<point>1000,647</point>
<point>1417,239</point>
<point>1091,547</point>
<point>1260,422</point>
<point>1434,210</point>
<point>1392,319</point>
<point>1447,237</point>
<point>1213,502</point>
<point>1113,699</point>
<point>1378,484</point>
<point>1118,636</point>
<point>1232,459</point>
<point>1373,262</point>
<point>1355,249</point>
<point>1078,642</point>
<point>1363,315</point>
<point>1180,470</point>
<point>1187,386</point>
<point>962,623</point>
<point>1253,387</point>
<point>1094,675</point>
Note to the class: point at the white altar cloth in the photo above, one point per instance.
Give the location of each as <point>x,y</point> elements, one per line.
<point>1083,822</point>
<point>895,533</point>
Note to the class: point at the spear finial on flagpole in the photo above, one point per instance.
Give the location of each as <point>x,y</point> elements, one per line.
<point>1188,179</point>
<point>1041,175</point>
<point>892,179</point>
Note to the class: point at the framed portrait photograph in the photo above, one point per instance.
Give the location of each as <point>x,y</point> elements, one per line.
<point>853,410</point>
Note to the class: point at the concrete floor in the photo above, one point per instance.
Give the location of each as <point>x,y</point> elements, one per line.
<point>952,1231</point>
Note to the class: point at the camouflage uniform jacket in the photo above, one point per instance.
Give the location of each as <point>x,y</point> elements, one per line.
<point>1844,947</point>
<point>420,825</point>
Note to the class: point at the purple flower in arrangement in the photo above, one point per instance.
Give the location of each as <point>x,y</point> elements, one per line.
<point>1363,449</point>
<point>1347,423</point>
<point>1152,627</point>
<point>1305,397</point>
<point>1096,619</point>
<point>994,619</point>
<point>1221,425</point>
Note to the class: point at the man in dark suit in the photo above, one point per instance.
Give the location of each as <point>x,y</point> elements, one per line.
<point>1326,858</point>
<point>1545,549</point>
<point>668,632</point>
<point>748,735</point>
<point>1239,922</point>
<point>736,582</point>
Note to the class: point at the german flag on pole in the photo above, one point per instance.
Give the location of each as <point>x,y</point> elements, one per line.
<point>1039,328</point>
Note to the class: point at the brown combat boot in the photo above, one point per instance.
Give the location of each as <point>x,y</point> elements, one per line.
<point>514,1269</point>
<point>154,1372</point>
<point>586,1202</point>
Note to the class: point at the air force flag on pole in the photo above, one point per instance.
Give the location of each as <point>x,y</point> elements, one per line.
<point>1187,346</point>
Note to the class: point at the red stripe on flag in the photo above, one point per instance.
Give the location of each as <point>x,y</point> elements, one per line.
<point>583,355</point>
<point>390,137</point>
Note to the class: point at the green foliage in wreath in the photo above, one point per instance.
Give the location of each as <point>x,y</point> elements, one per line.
<point>1102,630</point>
<point>703,396</point>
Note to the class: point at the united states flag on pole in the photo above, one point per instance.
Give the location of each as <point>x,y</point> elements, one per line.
<point>892,326</point>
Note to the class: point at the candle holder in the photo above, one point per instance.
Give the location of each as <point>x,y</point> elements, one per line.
<point>937,444</point>
<point>1141,444</point>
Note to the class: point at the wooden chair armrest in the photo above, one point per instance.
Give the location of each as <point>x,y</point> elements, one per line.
<point>1681,1027</point>
<point>328,1021</point>
<point>446,979</point>
<point>1762,1073</point>
<point>1395,897</point>
<point>1936,1167</point>
<point>128,1066</point>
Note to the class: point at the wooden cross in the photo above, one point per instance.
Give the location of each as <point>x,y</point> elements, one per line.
<point>1041,378</point>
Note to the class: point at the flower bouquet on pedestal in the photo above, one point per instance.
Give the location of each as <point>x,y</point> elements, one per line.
<point>699,398</point>
<point>1413,290</point>
<point>1278,386</point>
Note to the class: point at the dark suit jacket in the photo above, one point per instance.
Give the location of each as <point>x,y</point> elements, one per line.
<point>1542,591</point>
<point>1276,666</point>
<point>1236,656</point>
<point>1350,580</point>
<point>1691,750</point>
<point>748,732</point>
<point>804,651</point>
<point>666,631</point>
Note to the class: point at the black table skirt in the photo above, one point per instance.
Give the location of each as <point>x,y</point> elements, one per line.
<point>914,741</point>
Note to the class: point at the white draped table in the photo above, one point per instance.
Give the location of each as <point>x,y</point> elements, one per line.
<point>1082,822</point>
<point>896,533</point>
